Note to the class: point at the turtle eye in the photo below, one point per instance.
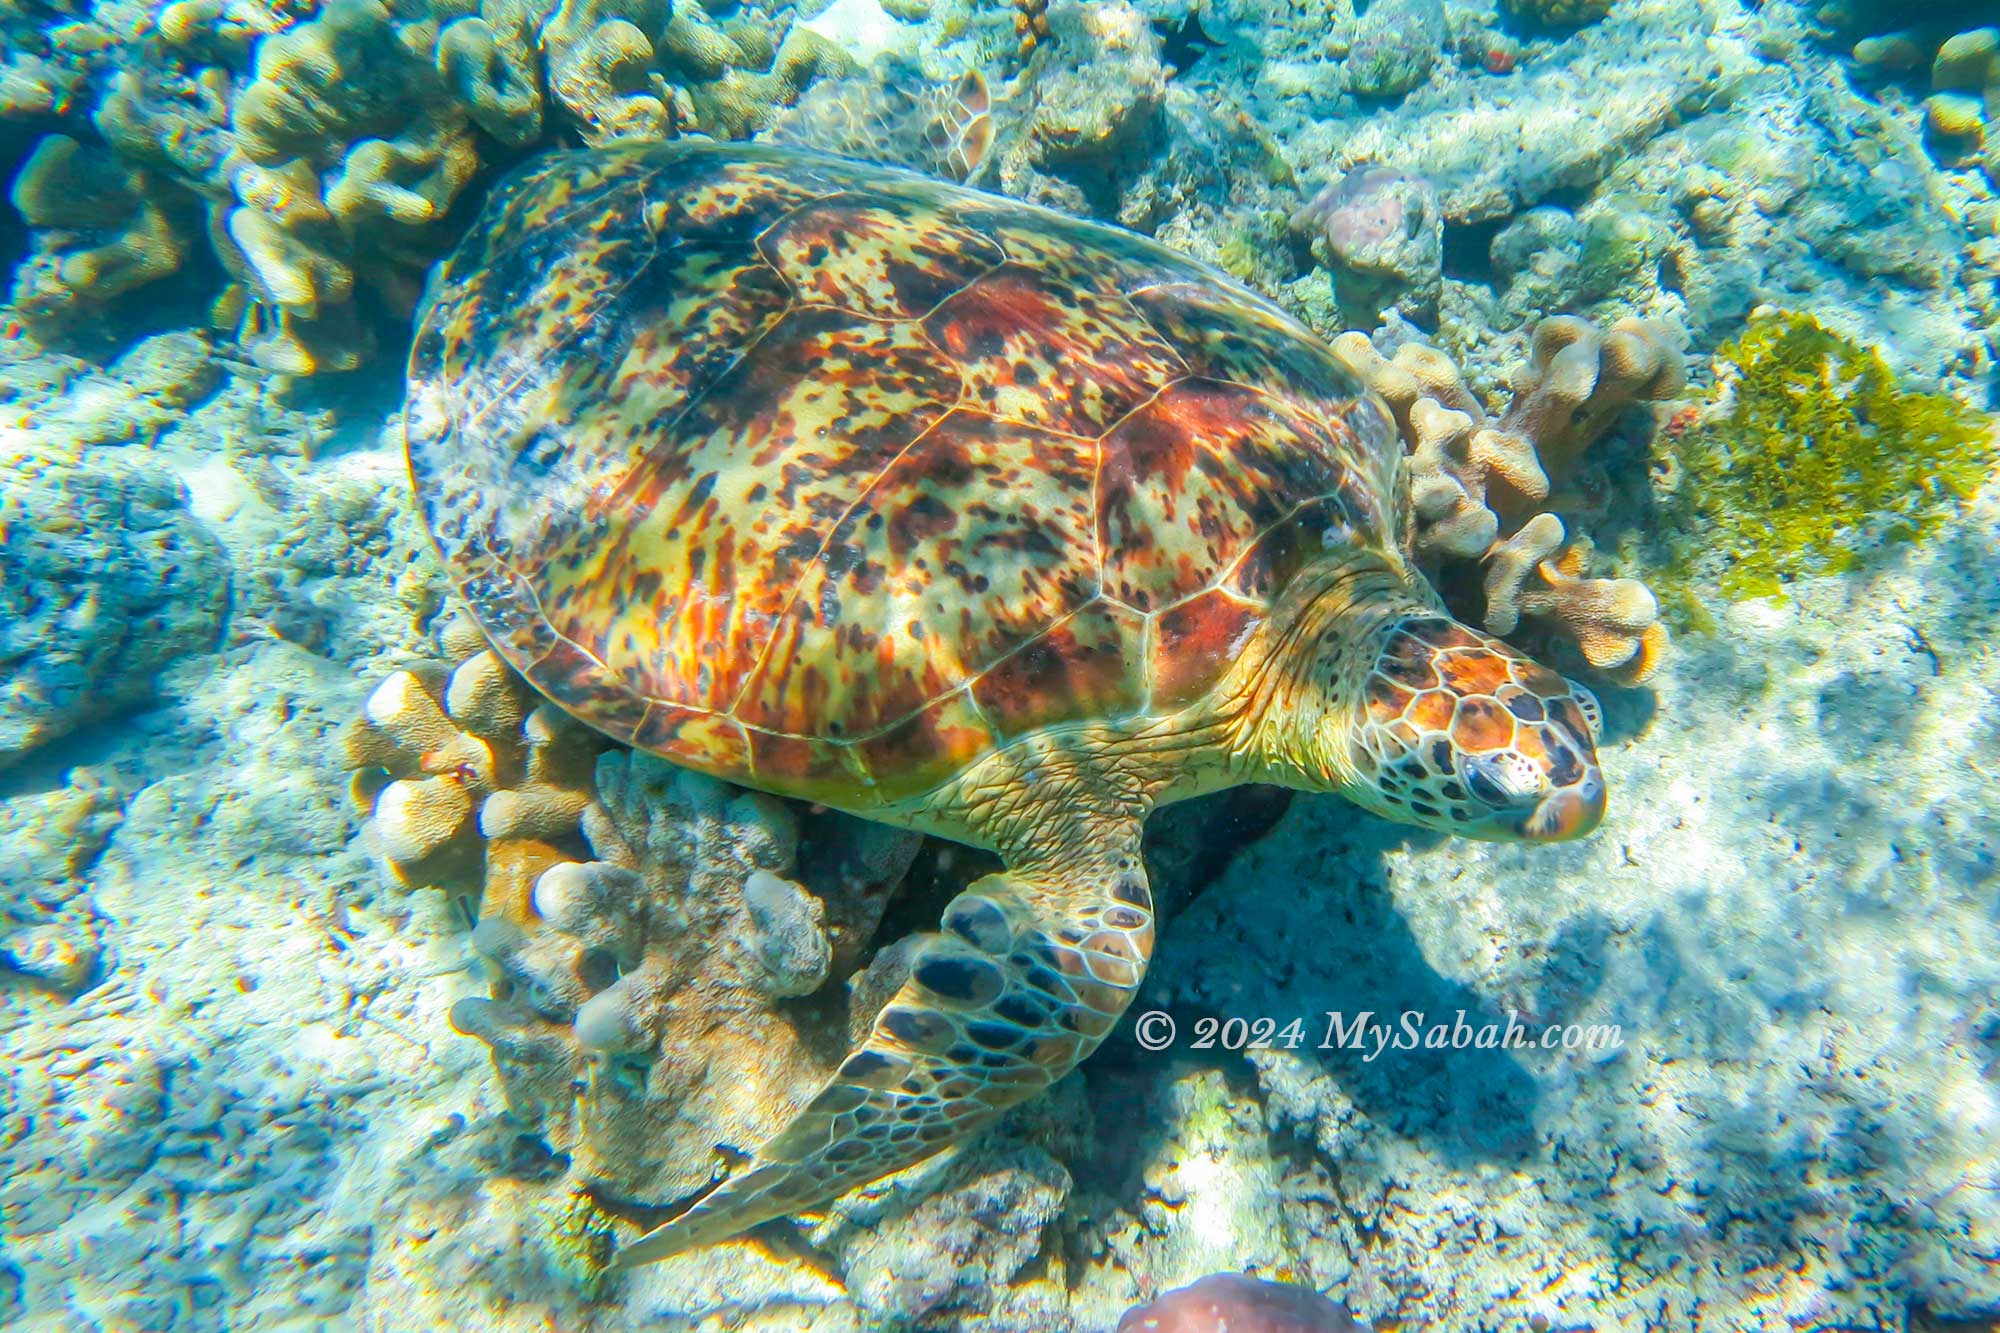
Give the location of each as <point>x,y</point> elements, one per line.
<point>1505,780</point>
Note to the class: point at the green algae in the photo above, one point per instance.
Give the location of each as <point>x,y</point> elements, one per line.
<point>1819,458</point>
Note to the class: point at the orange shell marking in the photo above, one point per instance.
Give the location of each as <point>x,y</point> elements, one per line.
<point>828,478</point>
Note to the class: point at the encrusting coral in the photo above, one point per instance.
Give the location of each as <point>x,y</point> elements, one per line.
<point>329,144</point>
<point>647,931</point>
<point>1812,456</point>
<point>1477,484</point>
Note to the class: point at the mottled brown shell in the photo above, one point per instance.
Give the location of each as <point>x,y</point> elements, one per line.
<point>828,478</point>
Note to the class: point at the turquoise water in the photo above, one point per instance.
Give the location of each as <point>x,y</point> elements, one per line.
<point>1186,664</point>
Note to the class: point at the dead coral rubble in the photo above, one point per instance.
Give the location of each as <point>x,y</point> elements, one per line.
<point>1477,484</point>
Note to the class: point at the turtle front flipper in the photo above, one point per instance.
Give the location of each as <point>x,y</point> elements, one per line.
<point>1031,971</point>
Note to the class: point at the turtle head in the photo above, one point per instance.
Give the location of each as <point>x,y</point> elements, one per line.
<point>1456,731</point>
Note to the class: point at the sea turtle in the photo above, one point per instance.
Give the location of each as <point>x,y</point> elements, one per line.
<point>947,510</point>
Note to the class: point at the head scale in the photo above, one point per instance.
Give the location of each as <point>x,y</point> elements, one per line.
<point>1458,732</point>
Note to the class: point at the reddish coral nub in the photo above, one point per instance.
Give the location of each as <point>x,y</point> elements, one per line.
<point>1234,1303</point>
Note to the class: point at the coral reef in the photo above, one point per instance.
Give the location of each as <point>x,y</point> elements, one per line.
<point>1476,483</point>
<point>105,578</point>
<point>1813,457</point>
<point>226,1063</point>
<point>639,922</point>
<point>1962,113</point>
<point>1494,146</point>
<point>328,146</point>
<point>1235,1303</point>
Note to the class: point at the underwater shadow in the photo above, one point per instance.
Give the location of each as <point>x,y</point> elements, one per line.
<point>1341,947</point>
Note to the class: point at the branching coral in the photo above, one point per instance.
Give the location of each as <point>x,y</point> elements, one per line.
<point>647,931</point>
<point>1578,380</point>
<point>1813,456</point>
<point>1476,484</point>
<point>1533,574</point>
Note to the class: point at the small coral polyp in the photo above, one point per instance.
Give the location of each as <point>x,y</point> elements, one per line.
<point>1813,457</point>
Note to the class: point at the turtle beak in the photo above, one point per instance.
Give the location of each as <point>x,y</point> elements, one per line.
<point>1568,812</point>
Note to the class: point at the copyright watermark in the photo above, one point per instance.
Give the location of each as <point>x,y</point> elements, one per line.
<point>1412,1030</point>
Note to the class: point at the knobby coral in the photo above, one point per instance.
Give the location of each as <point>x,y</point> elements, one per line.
<point>647,932</point>
<point>1812,456</point>
<point>328,145</point>
<point>1477,484</point>
<point>102,228</point>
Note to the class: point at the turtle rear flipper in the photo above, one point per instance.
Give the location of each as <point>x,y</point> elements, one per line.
<point>892,114</point>
<point>1029,974</point>
<point>960,131</point>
